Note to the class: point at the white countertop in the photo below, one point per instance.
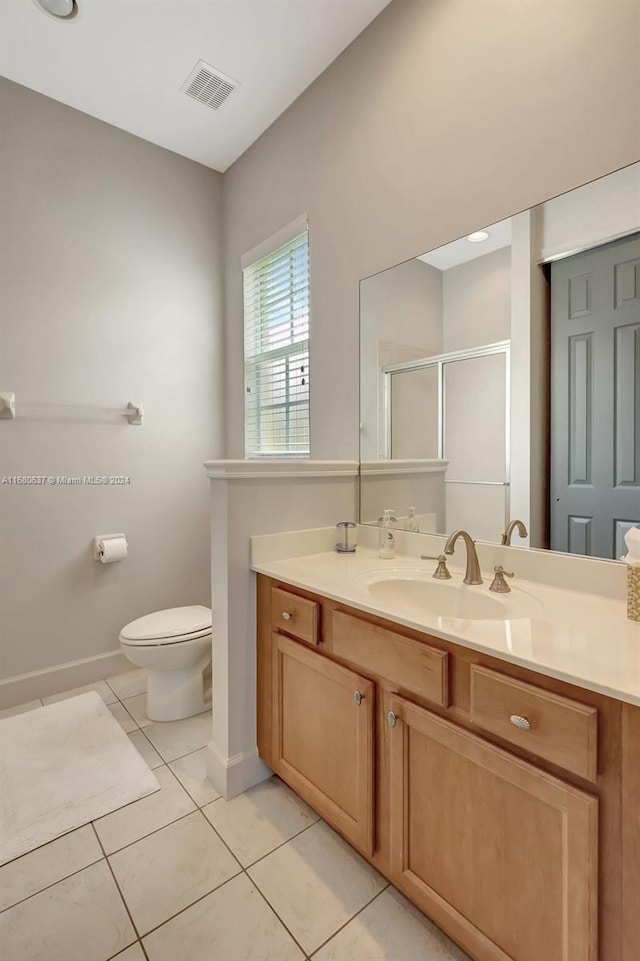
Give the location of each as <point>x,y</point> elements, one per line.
<point>580,638</point>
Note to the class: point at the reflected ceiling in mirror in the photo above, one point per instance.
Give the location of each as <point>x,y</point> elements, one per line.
<point>500,377</point>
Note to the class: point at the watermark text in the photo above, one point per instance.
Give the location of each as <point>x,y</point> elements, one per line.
<point>59,480</point>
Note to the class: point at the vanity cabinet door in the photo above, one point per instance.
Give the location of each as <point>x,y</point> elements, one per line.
<point>500,853</point>
<point>323,737</point>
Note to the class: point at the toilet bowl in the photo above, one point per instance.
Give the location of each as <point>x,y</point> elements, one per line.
<point>175,647</point>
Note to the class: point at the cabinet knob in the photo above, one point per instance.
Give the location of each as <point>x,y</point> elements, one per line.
<point>358,698</point>
<point>392,719</point>
<point>286,616</point>
<point>522,722</point>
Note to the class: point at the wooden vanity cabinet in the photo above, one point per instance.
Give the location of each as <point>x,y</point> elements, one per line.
<point>489,846</point>
<point>561,731</point>
<point>323,720</point>
<point>522,848</point>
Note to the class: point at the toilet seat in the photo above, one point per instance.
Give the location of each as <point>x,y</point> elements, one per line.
<point>175,625</point>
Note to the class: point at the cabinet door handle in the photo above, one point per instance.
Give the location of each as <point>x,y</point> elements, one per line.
<point>358,698</point>
<point>392,719</point>
<point>286,616</point>
<point>521,722</point>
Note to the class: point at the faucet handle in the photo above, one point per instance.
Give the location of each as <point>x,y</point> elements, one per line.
<point>441,572</point>
<point>498,584</point>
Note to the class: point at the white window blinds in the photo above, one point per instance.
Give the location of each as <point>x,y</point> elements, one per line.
<point>276,352</point>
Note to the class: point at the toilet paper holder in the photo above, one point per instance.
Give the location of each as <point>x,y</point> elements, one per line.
<point>100,538</point>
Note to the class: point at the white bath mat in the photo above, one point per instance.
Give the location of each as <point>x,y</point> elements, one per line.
<point>62,766</point>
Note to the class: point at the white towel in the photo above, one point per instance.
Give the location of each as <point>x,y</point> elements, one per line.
<point>632,540</point>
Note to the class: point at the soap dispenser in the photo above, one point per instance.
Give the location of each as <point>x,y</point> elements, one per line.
<point>412,522</point>
<point>387,535</point>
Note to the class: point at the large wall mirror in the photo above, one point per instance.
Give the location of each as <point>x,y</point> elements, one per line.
<point>500,377</point>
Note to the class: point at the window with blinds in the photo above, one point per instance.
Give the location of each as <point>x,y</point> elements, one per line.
<point>276,352</point>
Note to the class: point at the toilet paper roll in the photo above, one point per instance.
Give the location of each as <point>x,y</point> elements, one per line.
<point>112,549</point>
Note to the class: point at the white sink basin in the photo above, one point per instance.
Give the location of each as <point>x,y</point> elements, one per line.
<point>416,592</point>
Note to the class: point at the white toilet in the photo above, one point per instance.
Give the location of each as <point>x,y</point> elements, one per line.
<point>175,647</point>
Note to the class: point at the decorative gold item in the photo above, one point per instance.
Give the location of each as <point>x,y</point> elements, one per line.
<point>633,592</point>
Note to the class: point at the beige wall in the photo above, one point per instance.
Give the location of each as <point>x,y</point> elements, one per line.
<point>598,212</point>
<point>476,301</point>
<point>442,116</point>
<point>109,292</point>
<point>399,308</point>
<point>423,490</point>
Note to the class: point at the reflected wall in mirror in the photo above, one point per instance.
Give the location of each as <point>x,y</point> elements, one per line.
<point>500,377</point>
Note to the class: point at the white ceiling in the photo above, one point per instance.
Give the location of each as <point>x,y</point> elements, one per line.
<point>124,62</point>
<point>462,250</point>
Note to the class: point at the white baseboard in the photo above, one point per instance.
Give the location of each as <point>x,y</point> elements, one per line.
<point>234,775</point>
<point>62,677</point>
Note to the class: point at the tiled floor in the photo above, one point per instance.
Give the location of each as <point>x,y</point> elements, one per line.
<point>183,875</point>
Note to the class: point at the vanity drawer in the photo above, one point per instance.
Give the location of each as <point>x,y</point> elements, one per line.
<point>562,731</point>
<point>294,615</point>
<point>410,665</point>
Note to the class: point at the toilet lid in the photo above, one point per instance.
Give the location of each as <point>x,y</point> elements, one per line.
<point>174,622</point>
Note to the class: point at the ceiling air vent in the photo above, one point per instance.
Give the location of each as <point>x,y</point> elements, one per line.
<point>208,85</point>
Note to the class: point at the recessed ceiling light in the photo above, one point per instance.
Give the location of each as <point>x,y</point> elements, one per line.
<point>478,236</point>
<point>62,9</point>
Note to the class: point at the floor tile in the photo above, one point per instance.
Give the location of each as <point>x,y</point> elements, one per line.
<point>232,924</point>
<point>32,872</point>
<point>137,708</point>
<point>169,870</point>
<point>147,750</point>
<point>20,709</point>
<point>123,718</point>
<point>390,929</point>
<point>172,739</point>
<point>79,919</point>
<point>191,771</point>
<point>315,883</point>
<point>100,687</point>
<point>129,684</point>
<point>256,822</point>
<point>142,817</point>
<point>134,953</point>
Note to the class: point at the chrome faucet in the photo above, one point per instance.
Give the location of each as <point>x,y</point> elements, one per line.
<point>505,540</point>
<point>472,573</point>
